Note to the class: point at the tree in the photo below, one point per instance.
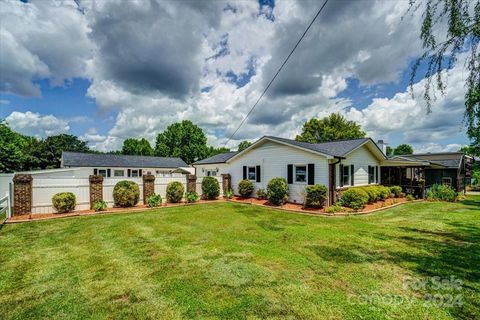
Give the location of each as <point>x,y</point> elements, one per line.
<point>211,151</point>
<point>182,139</point>
<point>403,149</point>
<point>140,147</point>
<point>389,151</point>
<point>48,152</point>
<point>244,145</point>
<point>457,24</point>
<point>12,146</point>
<point>331,128</point>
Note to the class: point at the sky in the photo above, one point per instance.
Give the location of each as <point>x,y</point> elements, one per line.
<point>113,69</point>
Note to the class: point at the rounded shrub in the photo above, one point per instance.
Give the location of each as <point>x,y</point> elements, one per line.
<point>191,197</point>
<point>373,193</point>
<point>210,188</point>
<point>245,188</point>
<point>261,194</point>
<point>64,202</point>
<point>384,192</point>
<point>277,191</point>
<point>126,194</point>
<point>99,205</point>
<point>355,198</point>
<point>154,200</point>
<point>315,196</point>
<point>175,192</point>
<point>396,191</point>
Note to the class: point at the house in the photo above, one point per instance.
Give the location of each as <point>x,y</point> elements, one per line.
<point>120,166</point>
<point>337,164</point>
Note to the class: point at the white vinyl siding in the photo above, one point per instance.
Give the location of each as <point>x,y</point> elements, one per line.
<point>361,159</point>
<point>273,159</point>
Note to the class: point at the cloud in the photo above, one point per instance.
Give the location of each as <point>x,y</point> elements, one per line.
<point>35,124</point>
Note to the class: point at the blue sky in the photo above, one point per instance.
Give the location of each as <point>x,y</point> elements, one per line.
<point>133,73</point>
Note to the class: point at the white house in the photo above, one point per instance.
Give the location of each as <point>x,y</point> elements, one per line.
<point>336,164</point>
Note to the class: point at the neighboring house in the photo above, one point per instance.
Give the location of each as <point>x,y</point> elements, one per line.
<point>337,164</point>
<point>120,166</point>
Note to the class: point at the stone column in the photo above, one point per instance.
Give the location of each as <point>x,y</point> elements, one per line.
<point>191,183</point>
<point>96,189</point>
<point>22,194</point>
<point>226,181</point>
<point>148,186</point>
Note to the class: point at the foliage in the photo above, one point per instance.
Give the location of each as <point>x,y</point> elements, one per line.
<point>210,188</point>
<point>476,178</point>
<point>12,146</point>
<point>228,194</point>
<point>384,192</point>
<point>333,209</point>
<point>175,192</point>
<point>211,151</point>
<point>126,194</point>
<point>182,139</point>
<point>441,192</point>
<point>245,188</point>
<point>64,202</point>
<point>396,191</point>
<point>373,193</point>
<point>409,197</point>
<point>140,147</point>
<point>191,197</point>
<point>457,24</point>
<point>389,151</point>
<point>316,196</point>
<point>403,149</point>
<point>99,205</point>
<point>331,128</point>
<point>261,194</point>
<point>244,145</point>
<point>277,191</point>
<point>49,151</point>
<point>154,200</point>
<point>355,198</point>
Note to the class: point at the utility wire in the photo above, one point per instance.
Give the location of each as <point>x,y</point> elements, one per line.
<point>278,71</point>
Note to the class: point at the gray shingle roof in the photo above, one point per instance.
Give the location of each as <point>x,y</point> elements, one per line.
<point>446,159</point>
<point>218,158</point>
<point>78,159</point>
<point>337,148</point>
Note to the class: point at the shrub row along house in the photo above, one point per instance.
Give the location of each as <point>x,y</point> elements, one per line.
<point>337,165</point>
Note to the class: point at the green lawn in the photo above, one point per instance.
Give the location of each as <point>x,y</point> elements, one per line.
<point>226,260</point>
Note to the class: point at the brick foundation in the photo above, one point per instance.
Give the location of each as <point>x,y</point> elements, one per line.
<point>191,183</point>
<point>96,189</point>
<point>148,186</point>
<point>22,194</point>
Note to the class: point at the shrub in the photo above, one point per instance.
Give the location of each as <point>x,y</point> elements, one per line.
<point>126,194</point>
<point>410,197</point>
<point>100,205</point>
<point>175,192</point>
<point>228,194</point>
<point>355,198</point>
<point>210,188</point>
<point>277,191</point>
<point>441,192</point>
<point>245,188</point>
<point>333,209</point>
<point>261,194</point>
<point>154,200</point>
<point>191,197</point>
<point>316,196</point>
<point>64,202</point>
<point>384,192</point>
<point>396,190</point>
<point>373,193</point>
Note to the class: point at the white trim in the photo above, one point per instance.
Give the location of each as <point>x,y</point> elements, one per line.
<point>384,157</point>
<point>295,174</point>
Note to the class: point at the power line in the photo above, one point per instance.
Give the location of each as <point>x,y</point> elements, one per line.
<point>278,71</point>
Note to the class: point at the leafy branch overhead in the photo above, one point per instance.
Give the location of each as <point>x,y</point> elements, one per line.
<point>451,27</point>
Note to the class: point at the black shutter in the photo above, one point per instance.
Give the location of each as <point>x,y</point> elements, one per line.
<point>376,174</point>
<point>258,174</point>
<point>95,172</point>
<point>109,172</point>
<point>140,172</point>
<point>311,173</point>
<point>290,173</point>
<point>244,172</point>
<point>129,173</point>
<point>369,176</point>
<point>341,175</point>
<point>352,174</point>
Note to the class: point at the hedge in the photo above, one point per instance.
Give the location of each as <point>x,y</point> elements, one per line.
<point>315,196</point>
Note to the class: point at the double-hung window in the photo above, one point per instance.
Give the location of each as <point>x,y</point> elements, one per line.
<point>301,174</point>
<point>102,172</point>
<point>211,173</point>
<point>134,173</point>
<point>252,174</point>
<point>371,174</point>
<point>346,175</point>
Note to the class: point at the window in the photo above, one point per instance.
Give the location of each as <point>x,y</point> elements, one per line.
<point>447,181</point>
<point>163,173</point>
<point>371,174</point>
<point>251,173</point>
<point>301,174</point>
<point>134,173</point>
<point>118,173</point>
<point>211,173</point>
<point>346,175</point>
<point>102,172</point>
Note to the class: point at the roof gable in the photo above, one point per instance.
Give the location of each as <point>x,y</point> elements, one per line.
<point>79,159</point>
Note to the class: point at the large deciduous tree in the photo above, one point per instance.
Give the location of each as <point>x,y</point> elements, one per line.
<point>139,147</point>
<point>331,128</point>
<point>244,145</point>
<point>182,139</point>
<point>403,149</point>
<point>12,149</point>
<point>48,152</point>
<point>450,27</point>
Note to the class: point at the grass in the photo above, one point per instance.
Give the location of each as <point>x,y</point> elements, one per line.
<point>227,260</point>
